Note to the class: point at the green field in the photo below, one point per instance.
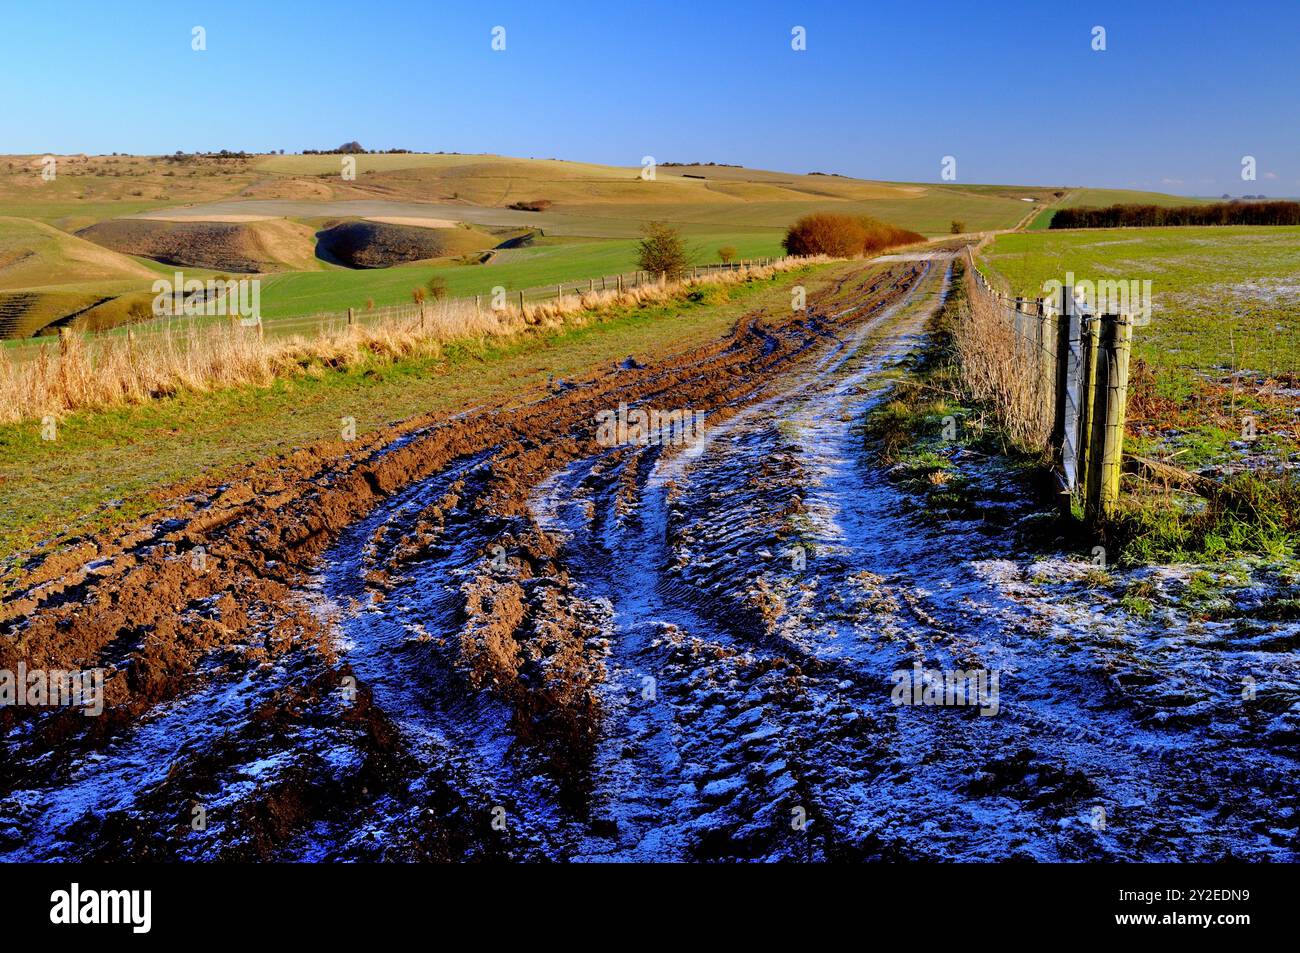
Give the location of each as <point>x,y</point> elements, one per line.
<point>547,262</point>
<point>1223,342</point>
<point>1222,297</point>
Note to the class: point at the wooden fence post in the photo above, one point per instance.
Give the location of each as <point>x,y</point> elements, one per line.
<point>1088,404</point>
<point>1111,411</point>
<point>620,284</point>
<point>422,312</point>
<point>1022,336</point>
<point>521,302</point>
<point>351,317</point>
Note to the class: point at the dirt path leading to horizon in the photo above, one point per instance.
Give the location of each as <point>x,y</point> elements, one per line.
<point>506,636</point>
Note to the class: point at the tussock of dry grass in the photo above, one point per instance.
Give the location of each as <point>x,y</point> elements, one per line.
<point>98,372</point>
<point>1002,373</point>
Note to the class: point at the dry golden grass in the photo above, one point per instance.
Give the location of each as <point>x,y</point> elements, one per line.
<point>997,369</point>
<point>98,372</point>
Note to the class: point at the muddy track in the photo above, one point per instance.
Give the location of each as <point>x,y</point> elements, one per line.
<point>504,636</point>
<point>232,690</point>
<point>763,587</point>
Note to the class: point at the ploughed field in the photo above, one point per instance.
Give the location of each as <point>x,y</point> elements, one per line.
<point>505,635</point>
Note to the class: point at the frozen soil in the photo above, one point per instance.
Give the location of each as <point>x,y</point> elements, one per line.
<point>496,637</point>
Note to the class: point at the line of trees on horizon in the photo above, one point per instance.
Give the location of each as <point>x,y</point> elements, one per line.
<point>354,148</point>
<point>1154,216</point>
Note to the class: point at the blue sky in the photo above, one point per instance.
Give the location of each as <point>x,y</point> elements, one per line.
<point>1013,90</point>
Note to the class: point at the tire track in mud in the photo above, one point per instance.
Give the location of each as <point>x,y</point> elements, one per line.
<point>718,731</point>
<point>315,757</point>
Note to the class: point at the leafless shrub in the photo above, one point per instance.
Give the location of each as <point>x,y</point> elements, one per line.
<point>1009,374</point>
<point>662,251</point>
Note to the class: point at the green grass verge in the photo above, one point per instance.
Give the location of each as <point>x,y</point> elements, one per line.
<point>1248,514</point>
<point>930,421</point>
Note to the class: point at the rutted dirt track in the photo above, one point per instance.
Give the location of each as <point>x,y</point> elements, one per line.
<point>495,637</point>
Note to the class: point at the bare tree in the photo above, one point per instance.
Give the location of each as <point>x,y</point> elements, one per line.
<point>662,251</point>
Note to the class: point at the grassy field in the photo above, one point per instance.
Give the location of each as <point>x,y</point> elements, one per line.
<point>335,289</point>
<point>104,466</point>
<point>546,262</point>
<point>34,255</point>
<point>89,189</point>
<point>1222,297</point>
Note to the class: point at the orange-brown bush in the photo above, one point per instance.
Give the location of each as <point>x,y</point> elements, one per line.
<point>844,236</point>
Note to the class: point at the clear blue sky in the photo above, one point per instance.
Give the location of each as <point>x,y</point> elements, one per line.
<point>1013,90</point>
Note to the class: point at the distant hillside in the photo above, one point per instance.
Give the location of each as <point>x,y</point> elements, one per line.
<point>257,246</point>
<point>106,226</point>
<point>611,201</point>
<point>36,255</point>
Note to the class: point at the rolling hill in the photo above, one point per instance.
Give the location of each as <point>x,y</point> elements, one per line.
<point>108,225</point>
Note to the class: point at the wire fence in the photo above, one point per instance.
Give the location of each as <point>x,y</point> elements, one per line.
<point>332,322</point>
<point>1075,363</point>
